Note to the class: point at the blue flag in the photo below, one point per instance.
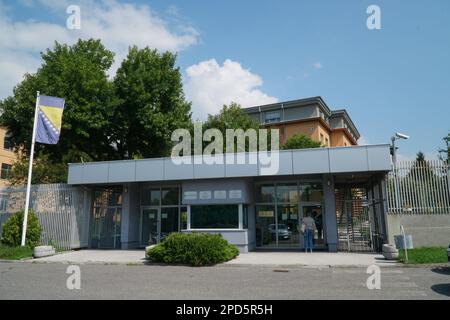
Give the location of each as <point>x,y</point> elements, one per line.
<point>49,119</point>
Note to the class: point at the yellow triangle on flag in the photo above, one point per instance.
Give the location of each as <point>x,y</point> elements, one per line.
<point>54,115</point>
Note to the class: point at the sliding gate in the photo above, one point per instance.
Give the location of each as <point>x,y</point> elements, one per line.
<point>359,220</point>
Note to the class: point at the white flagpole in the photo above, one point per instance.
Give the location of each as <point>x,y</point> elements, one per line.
<point>30,171</point>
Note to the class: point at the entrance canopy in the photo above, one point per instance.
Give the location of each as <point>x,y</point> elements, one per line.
<point>355,159</point>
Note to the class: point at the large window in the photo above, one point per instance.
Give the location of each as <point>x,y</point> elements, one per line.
<point>272,116</point>
<point>215,217</point>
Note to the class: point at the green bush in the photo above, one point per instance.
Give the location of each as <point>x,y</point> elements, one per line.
<point>12,230</point>
<point>195,249</point>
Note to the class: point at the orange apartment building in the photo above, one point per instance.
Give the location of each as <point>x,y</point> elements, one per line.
<point>310,117</point>
<point>7,156</point>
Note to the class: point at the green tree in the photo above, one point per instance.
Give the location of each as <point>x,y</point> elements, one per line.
<point>77,73</point>
<point>444,153</point>
<point>232,116</point>
<point>150,105</point>
<point>300,142</point>
<point>44,170</point>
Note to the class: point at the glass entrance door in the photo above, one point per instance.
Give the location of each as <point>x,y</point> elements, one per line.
<point>106,219</point>
<point>315,211</point>
<point>150,232</point>
<point>288,226</point>
<point>266,228</point>
<point>158,223</point>
<point>168,222</point>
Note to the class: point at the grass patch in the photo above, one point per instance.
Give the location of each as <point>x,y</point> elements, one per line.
<point>424,255</point>
<point>15,253</point>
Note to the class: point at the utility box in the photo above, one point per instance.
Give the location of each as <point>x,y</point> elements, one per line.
<point>399,243</point>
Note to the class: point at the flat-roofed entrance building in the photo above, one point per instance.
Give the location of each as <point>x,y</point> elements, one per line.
<point>135,203</point>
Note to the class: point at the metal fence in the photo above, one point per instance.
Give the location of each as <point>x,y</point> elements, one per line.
<point>62,210</point>
<point>421,187</point>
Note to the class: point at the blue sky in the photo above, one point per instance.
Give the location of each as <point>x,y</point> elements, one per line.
<point>252,52</point>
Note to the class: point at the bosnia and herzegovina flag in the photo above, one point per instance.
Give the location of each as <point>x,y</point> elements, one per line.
<point>49,119</point>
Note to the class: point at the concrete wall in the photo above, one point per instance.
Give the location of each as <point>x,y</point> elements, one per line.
<point>427,230</point>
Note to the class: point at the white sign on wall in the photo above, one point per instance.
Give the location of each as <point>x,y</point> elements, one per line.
<point>235,194</point>
<point>220,194</point>
<point>190,195</point>
<point>205,195</point>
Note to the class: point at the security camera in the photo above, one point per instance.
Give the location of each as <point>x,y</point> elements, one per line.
<point>401,135</point>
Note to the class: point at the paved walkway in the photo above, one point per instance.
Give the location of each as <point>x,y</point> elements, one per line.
<point>97,256</point>
<point>252,258</point>
<point>310,259</point>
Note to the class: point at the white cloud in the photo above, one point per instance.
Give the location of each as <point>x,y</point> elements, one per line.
<point>317,65</point>
<point>118,25</point>
<point>209,86</point>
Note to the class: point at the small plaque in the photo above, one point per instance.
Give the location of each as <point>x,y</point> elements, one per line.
<point>205,195</point>
<point>220,194</point>
<point>265,214</point>
<point>190,195</point>
<point>163,215</point>
<point>235,194</point>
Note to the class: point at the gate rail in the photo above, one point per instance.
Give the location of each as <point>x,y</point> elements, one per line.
<point>421,187</point>
<point>61,209</point>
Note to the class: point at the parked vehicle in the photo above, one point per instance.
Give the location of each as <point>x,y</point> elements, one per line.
<point>448,254</point>
<point>283,231</point>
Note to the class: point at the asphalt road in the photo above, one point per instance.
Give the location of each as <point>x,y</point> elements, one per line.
<point>20,280</point>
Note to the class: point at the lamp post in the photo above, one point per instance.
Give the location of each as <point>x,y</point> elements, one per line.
<point>396,136</point>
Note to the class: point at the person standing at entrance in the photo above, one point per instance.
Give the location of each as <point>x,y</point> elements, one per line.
<point>308,225</point>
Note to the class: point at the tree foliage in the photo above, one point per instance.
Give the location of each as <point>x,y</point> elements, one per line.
<point>130,116</point>
<point>300,142</point>
<point>444,153</point>
<point>79,74</point>
<point>151,104</point>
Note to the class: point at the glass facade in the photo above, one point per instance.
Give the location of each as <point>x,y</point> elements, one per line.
<point>215,217</point>
<point>106,218</point>
<point>280,209</point>
<point>161,213</point>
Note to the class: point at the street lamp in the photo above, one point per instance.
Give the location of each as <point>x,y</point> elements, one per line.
<point>396,136</point>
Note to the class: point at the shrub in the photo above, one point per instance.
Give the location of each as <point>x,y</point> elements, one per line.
<point>12,230</point>
<point>195,249</point>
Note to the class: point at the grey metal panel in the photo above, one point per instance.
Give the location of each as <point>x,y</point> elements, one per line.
<point>311,161</point>
<point>306,161</point>
<point>379,158</point>
<point>234,169</point>
<point>206,170</point>
<point>347,159</point>
<point>122,171</point>
<point>95,172</point>
<point>173,171</point>
<point>75,175</point>
<point>150,170</point>
<point>281,163</point>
